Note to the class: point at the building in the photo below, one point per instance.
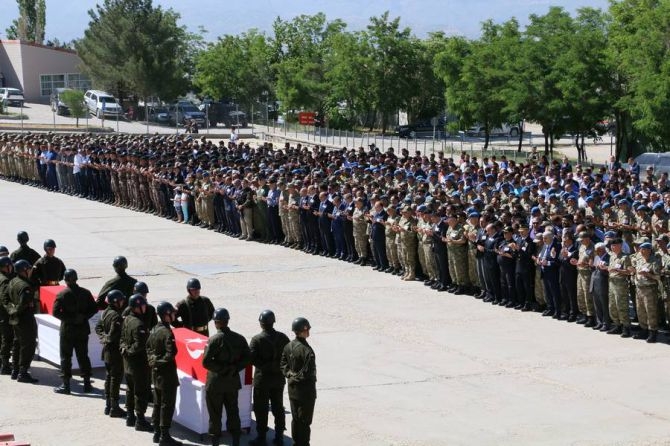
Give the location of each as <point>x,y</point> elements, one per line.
<point>38,69</point>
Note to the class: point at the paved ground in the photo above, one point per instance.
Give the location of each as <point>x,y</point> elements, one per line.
<point>398,364</point>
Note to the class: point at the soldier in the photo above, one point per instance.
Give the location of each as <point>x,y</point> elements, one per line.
<point>49,269</point>
<point>457,254</point>
<point>619,268</point>
<point>21,309</point>
<point>6,330</point>
<point>524,270</point>
<point>133,349</point>
<point>161,354</point>
<point>391,247</point>
<point>108,330</point>
<point>195,311</point>
<point>226,355</point>
<point>647,268</point>
<point>360,231</point>
<point>122,281</point>
<point>266,350</point>
<point>24,252</point>
<point>298,364</point>
<point>471,228</point>
<point>74,306</point>
<point>584,263</point>
<point>408,240</point>
<point>149,318</point>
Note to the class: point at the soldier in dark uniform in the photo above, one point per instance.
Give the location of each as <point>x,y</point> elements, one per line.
<point>133,349</point>
<point>24,252</point>
<point>161,353</point>
<point>298,364</point>
<point>122,281</point>
<point>6,330</point>
<point>108,330</point>
<point>506,258</point>
<point>149,317</point>
<point>226,355</point>
<point>74,306</point>
<point>492,270</point>
<point>21,309</point>
<point>525,268</point>
<point>49,269</point>
<point>266,350</point>
<point>195,311</point>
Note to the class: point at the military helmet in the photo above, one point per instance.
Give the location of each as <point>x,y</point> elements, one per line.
<point>114,296</point>
<point>221,314</point>
<point>49,243</point>
<point>22,237</point>
<point>4,251</point>
<point>300,324</point>
<point>120,262</point>
<point>5,261</point>
<point>141,288</point>
<point>22,265</point>
<point>164,308</point>
<point>70,275</point>
<point>193,284</point>
<point>267,317</point>
<point>136,301</point>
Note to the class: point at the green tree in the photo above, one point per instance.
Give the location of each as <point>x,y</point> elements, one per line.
<point>299,53</point>
<point>31,22</point>
<point>236,67</point>
<point>74,101</point>
<point>133,47</point>
<point>640,52</point>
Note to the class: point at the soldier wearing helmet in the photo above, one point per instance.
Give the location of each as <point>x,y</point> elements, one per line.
<point>299,367</point>
<point>226,355</point>
<point>149,318</point>
<point>133,349</point>
<point>21,309</point>
<point>161,353</point>
<point>6,330</point>
<point>49,269</point>
<point>195,311</point>
<point>74,306</point>
<point>108,330</point>
<point>24,252</point>
<point>122,281</point>
<point>266,350</point>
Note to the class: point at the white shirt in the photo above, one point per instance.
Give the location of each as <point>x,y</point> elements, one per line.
<point>79,160</point>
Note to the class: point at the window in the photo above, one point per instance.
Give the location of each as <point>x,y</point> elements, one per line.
<point>49,82</point>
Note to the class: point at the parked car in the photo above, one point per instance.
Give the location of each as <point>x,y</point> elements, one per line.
<point>184,111</point>
<point>659,161</point>
<point>159,114</point>
<point>423,128</point>
<point>102,104</point>
<point>237,118</point>
<point>505,130</point>
<point>57,104</point>
<point>12,96</point>
<point>225,113</point>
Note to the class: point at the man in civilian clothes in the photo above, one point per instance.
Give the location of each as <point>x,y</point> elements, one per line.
<point>323,215</point>
<point>549,267</point>
<point>568,276</point>
<point>525,268</point>
<point>378,218</point>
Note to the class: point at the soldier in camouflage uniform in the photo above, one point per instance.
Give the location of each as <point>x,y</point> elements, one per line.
<point>584,262</point>
<point>647,268</point>
<point>391,246</point>
<point>620,269</point>
<point>457,254</point>
<point>360,231</point>
<point>471,234</point>
<point>408,240</point>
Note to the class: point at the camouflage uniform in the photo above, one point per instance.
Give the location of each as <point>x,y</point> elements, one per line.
<point>472,255</point>
<point>618,289</point>
<point>647,291</point>
<point>458,255</point>
<point>391,246</point>
<point>408,240</point>
<point>360,233</point>
<point>584,297</point>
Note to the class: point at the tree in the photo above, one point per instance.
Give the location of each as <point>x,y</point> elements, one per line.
<point>639,37</point>
<point>219,72</point>
<point>131,46</point>
<point>74,101</point>
<point>31,22</point>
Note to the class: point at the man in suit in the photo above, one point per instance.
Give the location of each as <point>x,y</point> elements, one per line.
<point>549,266</point>
<point>568,276</point>
<point>323,214</point>
<point>525,268</point>
<point>378,235</point>
<point>491,268</point>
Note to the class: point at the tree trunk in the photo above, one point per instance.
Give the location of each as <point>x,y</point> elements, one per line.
<point>487,137</point>
<point>583,149</point>
<point>545,133</point>
<point>551,145</point>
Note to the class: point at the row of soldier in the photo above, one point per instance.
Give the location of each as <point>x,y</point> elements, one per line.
<point>138,346</point>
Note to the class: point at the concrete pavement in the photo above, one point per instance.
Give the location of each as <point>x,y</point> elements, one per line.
<point>398,364</point>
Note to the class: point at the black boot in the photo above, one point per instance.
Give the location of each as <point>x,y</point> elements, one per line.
<point>157,437</point>
<point>642,334</point>
<point>590,322</point>
<point>215,440</point>
<point>88,387</point>
<point>131,420</point>
<point>166,439</point>
<point>652,336</point>
<point>26,377</point>
<point>279,439</point>
<point>116,411</point>
<point>6,368</point>
<point>142,425</point>
<point>63,389</point>
<point>108,406</point>
<point>236,439</point>
<point>625,332</point>
<point>258,441</point>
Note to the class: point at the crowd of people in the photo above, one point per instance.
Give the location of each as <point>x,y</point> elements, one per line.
<point>578,243</point>
<point>138,345</point>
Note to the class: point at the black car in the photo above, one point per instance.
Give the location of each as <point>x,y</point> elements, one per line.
<point>423,128</point>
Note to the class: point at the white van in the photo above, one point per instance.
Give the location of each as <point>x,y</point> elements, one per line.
<point>102,104</point>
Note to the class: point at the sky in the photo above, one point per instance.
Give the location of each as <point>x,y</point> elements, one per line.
<point>67,19</point>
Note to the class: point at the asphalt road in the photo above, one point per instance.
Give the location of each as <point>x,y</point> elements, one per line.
<point>398,364</point>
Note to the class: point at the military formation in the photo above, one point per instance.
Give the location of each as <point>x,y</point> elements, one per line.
<point>139,347</point>
<point>537,235</point>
